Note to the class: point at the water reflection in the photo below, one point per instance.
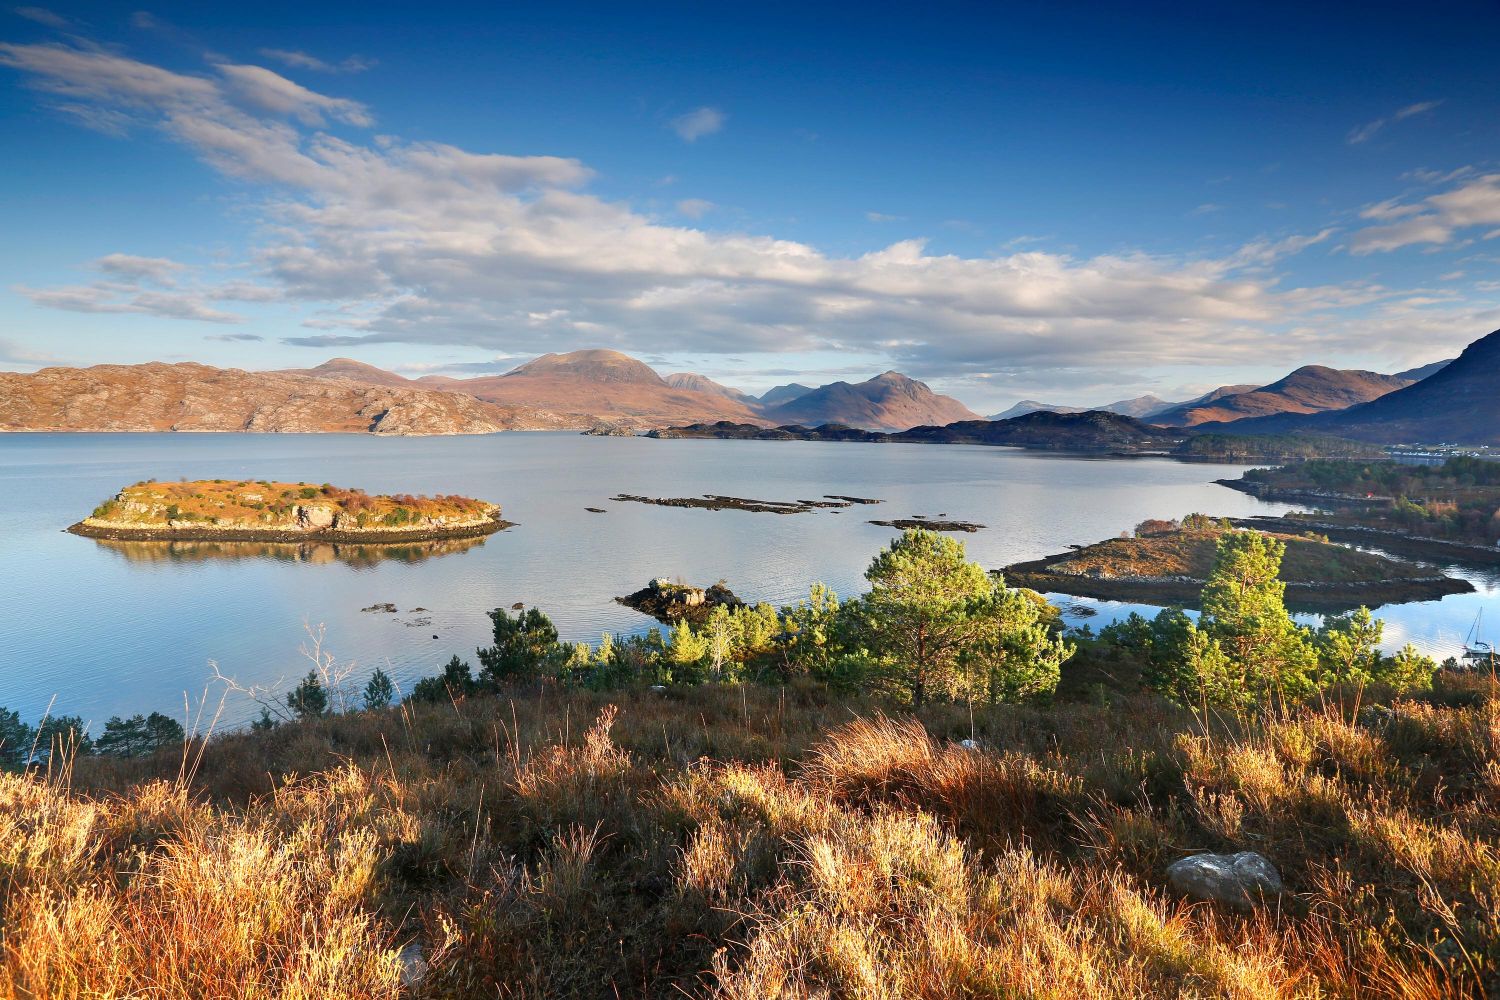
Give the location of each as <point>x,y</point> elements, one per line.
<point>312,553</point>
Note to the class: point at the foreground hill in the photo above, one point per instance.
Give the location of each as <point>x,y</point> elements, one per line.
<point>604,384</point>
<point>193,397</point>
<point>1310,389</point>
<point>1460,403</point>
<point>731,842</point>
<point>888,402</point>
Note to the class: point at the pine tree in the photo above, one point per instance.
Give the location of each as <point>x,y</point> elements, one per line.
<point>380,691</point>
<point>1244,611</point>
<point>525,647</point>
<point>309,699</point>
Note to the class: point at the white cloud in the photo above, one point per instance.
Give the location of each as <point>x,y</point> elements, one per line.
<point>104,298</point>
<point>275,93</point>
<point>1433,220</point>
<point>390,241</point>
<point>1368,131</point>
<point>883,217</point>
<point>301,60</point>
<point>697,123</point>
<point>157,270</point>
<point>694,208</point>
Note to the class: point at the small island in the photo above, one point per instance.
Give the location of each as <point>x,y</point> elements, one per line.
<point>1167,563</point>
<point>265,511</point>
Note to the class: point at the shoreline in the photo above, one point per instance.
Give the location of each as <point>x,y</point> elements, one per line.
<point>367,536</point>
<point>1184,591</point>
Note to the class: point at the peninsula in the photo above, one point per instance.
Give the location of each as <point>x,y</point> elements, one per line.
<point>1167,562</point>
<point>265,511</point>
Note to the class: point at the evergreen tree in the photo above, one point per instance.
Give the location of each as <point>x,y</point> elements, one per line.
<point>380,691</point>
<point>686,652</point>
<point>1244,611</point>
<point>525,647</point>
<point>309,699</point>
<point>1349,648</point>
<point>66,733</point>
<point>16,739</point>
<point>945,626</point>
<point>454,682</point>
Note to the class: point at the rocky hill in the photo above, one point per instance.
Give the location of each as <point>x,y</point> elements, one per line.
<point>193,397</point>
<point>784,393</point>
<point>1310,389</point>
<point>702,383</point>
<point>356,370</point>
<point>1460,404</point>
<point>890,402</point>
<point>1140,406</point>
<point>606,385</point>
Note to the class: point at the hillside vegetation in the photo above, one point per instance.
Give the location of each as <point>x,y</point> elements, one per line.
<point>265,505</point>
<point>559,829</point>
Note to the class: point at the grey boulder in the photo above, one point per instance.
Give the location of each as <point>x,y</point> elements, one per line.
<point>1239,880</point>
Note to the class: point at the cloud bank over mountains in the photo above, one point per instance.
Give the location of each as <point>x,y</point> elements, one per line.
<point>375,239</point>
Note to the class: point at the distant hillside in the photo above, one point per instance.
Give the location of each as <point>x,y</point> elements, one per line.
<point>784,393</point>
<point>606,385</point>
<point>192,397</point>
<point>1311,389</point>
<point>1091,431</point>
<point>886,402</point>
<point>1140,406</point>
<point>702,383</point>
<point>356,370</point>
<point>1459,404</point>
<point>1418,374</point>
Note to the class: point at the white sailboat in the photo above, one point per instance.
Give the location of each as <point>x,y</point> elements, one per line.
<point>1476,648</point>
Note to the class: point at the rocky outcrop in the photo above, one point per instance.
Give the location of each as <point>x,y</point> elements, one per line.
<point>1238,880</point>
<point>192,397</point>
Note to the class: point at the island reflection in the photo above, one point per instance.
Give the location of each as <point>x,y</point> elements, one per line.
<point>312,552</point>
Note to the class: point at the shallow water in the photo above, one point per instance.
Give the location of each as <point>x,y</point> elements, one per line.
<point>112,628</point>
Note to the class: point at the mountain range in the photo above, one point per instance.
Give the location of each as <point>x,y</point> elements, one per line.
<point>1459,403</point>
<point>593,388</point>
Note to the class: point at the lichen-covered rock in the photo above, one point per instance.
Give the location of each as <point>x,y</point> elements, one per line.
<point>1238,880</point>
<point>315,517</point>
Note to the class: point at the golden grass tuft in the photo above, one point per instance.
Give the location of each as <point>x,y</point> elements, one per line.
<point>736,843</point>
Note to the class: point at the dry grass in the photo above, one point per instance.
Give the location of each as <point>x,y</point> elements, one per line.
<point>738,843</point>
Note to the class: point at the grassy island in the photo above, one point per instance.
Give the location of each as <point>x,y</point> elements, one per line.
<point>1167,562</point>
<point>265,511</point>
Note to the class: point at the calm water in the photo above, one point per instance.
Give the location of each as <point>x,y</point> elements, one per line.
<point>121,628</point>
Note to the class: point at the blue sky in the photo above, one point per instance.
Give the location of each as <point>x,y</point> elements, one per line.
<point>1077,204</point>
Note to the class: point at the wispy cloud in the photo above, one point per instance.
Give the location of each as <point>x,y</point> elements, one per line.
<point>883,217</point>
<point>41,15</point>
<point>1369,130</point>
<point>297,59</point>
<point>694,208</point>
<point>697,123</point>
<point>235,338</point>
<point>1435,220</point>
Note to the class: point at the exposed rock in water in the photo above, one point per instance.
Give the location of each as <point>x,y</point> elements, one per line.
<point>931,524</point>
<point>711,501</point>
<point>1238,880</point>
<point>594,510</point>
<point>859,500</point>
<point>670,603</point>
<point>386,608</point>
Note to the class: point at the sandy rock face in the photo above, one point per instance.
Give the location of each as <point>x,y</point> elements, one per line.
<point>191,397</point>
<point>1239,880</point>
<point>315,517</point>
